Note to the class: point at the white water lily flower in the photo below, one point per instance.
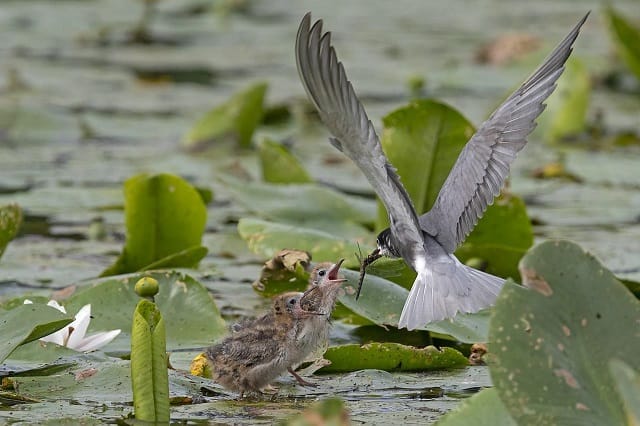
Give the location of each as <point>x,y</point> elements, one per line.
<point>73,335</point>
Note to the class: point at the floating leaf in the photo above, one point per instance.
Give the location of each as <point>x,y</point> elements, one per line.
<point>194,319</point>
<point>423,140</point>
<point>149,377</point>
<point>566,111</point>
<point>307,205</point>
<point>237,118</point>
<point>279,165</point>
<point>268,238</point>
<point>552,339</point>
<point>485,408</point>
<point>27,323</point>
<point>10,220</point>
<point>391,357</point>
<point>165,219</point>
<point>501,237</point>
<point>626,38</point>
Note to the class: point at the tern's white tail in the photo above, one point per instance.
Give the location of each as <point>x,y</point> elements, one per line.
<point>438,295</point>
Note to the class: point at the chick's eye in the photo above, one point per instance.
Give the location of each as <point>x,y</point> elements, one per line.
<point>322,273</point>
<point>292,302</point>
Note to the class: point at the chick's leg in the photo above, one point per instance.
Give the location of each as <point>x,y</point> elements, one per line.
<point>299,379</point>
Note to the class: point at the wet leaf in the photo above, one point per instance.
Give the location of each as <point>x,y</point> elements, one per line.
<point>550,339</point>
<point>237,118</point>
<point>165,219</point>
<point>279,165</point>
<point>10,220</point>
<point>423,140</point>
<point>391,357</point>
<point>501,237</point>
<point>627,382</point>
<point>626,38</point>
<point>485,408</point>
<point>566,111</point>
<point>192,318</point>
<point>27,323</point>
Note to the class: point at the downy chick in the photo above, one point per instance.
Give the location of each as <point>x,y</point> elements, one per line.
<point>259,351</point>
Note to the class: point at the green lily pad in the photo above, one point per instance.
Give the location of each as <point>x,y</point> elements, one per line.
<point>551,339</point>
<point>190,314</point>
<point>626,38</point>
<point>165,219</point>
<point>391,357</point>
<point>10,220</point>
<point>627,382</point>
<point>566,111</point>
<point>485,408</point>
<point>501,238</point>
<point>279,165</point>
<point>423,140</point>
<point>27,323</point>
<point>267,239</point>
<point>307,205</point>
<point>330,411</point>
<point>237,118</point>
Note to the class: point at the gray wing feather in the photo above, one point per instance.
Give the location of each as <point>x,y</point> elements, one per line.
<point>326,84</point>
<point>483,165</point>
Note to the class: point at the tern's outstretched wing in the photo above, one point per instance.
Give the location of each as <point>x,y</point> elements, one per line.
<point>326,84</point>
<point>479,173</point>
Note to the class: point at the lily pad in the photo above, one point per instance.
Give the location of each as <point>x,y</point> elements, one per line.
<point>190,314</point>
<point>485,408</point>
<point>307,205</point>
<point>626,38</point>
<point>391,357</point>
<point>165,216</point>
<point>237,118</point>
<point>10,220</point>
<point>423,140</point>
<point>501,238</point>
<point>279,165</point>
<point>330,411</point>
<point>27,323</point>
<point>566,111</point>
<point>552,339</point>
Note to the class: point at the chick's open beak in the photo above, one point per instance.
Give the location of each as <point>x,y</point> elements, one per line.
<point>333,272</point>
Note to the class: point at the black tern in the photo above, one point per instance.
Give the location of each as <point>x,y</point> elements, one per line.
<point>444,286</point>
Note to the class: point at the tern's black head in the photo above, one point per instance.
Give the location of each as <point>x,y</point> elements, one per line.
<point>386,244</point>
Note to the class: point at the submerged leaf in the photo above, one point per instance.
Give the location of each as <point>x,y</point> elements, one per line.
<point>237,118</point>
<point>10,220</point>
<point>626,38</point>
<point>279,165</point>
<point>329,412</point>
<point>27,323</point>
<point>627,382</point>
<point>391,357</point>
<point>165,219</point>
<point>550,340</point>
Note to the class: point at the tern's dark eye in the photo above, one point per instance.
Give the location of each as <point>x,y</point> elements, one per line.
<point>322,273</point>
